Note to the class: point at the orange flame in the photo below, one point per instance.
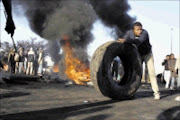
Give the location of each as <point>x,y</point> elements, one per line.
<point>75,69</point>
<point>5,67</point>
<point>56,68</point>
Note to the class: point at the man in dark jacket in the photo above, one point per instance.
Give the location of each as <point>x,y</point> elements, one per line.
<point>1,64</point>
<point>115,67</point>
<point>31,58</point>
<point>11,61</point>
<point>167,72</point>
<point>21,60</point>
<point>140,38</point>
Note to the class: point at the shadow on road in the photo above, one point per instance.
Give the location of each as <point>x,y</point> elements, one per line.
<point>164,93</point>
<point>97,117</point>
<point>170,114</point>
<point>64,112</point>
<point>13,94</point>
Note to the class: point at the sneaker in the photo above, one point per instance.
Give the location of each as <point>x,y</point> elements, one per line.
<point>156,96</point>
<point>172,88</point>
<point>177,98</point>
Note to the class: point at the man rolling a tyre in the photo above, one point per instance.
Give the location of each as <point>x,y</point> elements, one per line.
<point>140,38</point>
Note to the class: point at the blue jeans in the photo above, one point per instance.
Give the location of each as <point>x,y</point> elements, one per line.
<point>40,69</point>
<point>21,67</point>
<point>178,82</point>
<point>173,82</point>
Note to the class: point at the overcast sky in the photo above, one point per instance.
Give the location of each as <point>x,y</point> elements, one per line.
<point>157,17</point>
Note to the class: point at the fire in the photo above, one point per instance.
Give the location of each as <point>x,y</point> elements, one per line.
<point>5,67</point>
<point>75,69</point>
<point>56,68</point>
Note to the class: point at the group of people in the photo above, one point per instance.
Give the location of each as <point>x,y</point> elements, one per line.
<point>171,72</point>
<point>137,36</point>
<point>26,61</point>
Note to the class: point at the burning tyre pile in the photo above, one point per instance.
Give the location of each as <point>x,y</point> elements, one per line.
<point>73,68</point>
<point>101,74</point>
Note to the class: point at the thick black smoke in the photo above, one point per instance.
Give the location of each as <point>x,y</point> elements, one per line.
<point>37,12</point>
<point>54,51</point>
<point>52,19</point>
<point>114,13</point>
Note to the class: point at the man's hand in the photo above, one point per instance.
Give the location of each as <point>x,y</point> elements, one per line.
<point>170,68</point>
<point>121,40</point>
<point>10,27</point>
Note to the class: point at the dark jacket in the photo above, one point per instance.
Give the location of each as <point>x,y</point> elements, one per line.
<point>165,64</point>
<point>142,42</point>
<point>115,64</point>
<point>171,64</point>
<point>12,58</point>
<point>21,58</point>
<point>31,58</point>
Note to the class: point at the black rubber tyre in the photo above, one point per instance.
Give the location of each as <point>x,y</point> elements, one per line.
<point>101,74</point>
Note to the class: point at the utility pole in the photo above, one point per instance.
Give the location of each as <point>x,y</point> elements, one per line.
<point>171,40</point>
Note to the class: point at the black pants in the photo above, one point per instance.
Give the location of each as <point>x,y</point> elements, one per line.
<point>13,67</point>
<point>115,70</point>
<point>1,65</point>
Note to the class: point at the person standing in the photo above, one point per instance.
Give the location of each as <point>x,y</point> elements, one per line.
<point>31,58</point>
<point>16,58</point>
<point>167,72</point>
<point>140,38</point>
<point>1,64</point>
<point>171,64</point>
<point>21,60</point>
<point>25,60</point>
<point>177,69</point>
<point>115,67</point>
<point>40,61</point>
<point>11,61</point>
<point>36,65</point>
